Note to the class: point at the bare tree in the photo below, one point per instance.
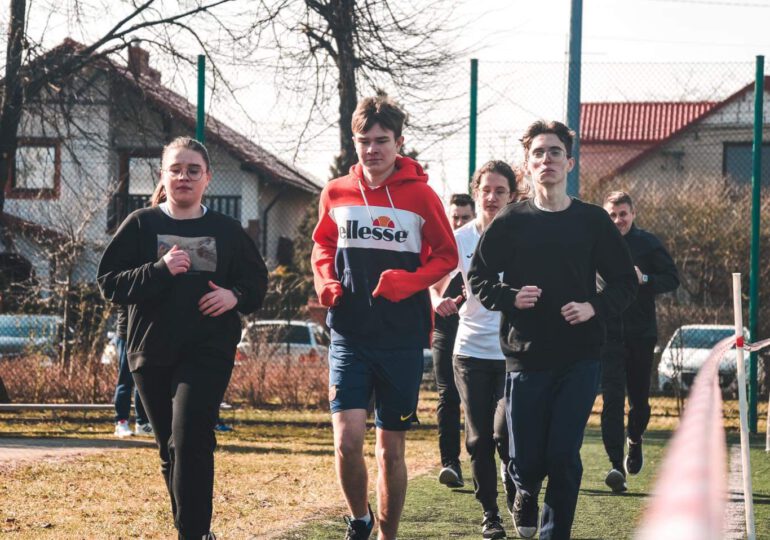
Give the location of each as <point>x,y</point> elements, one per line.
<point>332,49</point>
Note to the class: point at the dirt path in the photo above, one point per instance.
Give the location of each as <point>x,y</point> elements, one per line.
<point>18,450</point>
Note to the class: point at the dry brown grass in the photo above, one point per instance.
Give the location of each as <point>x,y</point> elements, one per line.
<point>276,464</point>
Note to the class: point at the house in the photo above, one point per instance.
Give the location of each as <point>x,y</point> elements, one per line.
<point>88,155</point>
<point>648,143</point>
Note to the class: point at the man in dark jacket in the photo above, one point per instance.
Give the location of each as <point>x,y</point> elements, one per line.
<point>628,353</point>
<point>549,249</point>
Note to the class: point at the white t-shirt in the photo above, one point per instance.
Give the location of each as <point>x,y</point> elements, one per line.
<point>478,334</point>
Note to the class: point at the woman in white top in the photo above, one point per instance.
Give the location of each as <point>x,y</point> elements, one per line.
<point>479,364</point>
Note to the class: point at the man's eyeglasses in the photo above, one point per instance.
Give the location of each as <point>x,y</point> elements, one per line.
<point>193,172</point>
<point>555,153</point>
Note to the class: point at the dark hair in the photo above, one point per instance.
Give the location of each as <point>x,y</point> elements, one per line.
<point>159,194</point>
<point>619,197</point>
<point>378,110</point>
<point>564,133</point>
<point>463,199</point>
<point>516,183</point>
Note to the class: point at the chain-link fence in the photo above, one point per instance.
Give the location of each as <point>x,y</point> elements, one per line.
<point>677,137</point>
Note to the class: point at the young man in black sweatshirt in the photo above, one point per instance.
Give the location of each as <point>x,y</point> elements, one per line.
<point>549,249</point>
<point>627,355</point>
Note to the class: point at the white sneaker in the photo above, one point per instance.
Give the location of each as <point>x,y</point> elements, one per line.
<point>122,429</point>
<point>144,430</point>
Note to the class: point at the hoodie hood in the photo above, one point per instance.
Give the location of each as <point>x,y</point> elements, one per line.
<point>407,170</point>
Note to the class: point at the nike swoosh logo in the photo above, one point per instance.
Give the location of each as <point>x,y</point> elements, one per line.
<point>469,256</point>
<point>405,418</point>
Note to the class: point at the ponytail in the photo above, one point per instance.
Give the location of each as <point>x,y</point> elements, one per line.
<point>159,195</point>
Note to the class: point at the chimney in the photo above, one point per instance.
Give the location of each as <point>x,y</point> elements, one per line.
<point>139,63</point>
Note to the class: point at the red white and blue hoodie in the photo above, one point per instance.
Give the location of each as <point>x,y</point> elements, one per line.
<point>376,252</point>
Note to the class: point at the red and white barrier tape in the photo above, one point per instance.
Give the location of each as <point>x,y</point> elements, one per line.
<point>689,496</point>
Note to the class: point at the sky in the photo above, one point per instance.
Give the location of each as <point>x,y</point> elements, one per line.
<point>632,50</point>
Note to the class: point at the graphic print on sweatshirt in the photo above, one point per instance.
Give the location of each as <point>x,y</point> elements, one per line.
<point>201,249</point>
<point>378,227</point>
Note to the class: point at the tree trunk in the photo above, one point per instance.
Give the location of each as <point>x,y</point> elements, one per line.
<point>13,95</point>
<point>343,27</point>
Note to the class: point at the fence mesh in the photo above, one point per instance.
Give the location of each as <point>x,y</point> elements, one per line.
<point>677,137</point>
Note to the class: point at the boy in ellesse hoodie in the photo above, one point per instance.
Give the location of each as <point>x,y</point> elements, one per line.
<point>382,239</point>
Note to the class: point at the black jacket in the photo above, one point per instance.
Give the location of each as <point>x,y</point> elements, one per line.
<point>638,320</point>
<point>560,252</point>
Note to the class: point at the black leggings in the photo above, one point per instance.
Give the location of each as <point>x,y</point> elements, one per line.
<point>182,403</point>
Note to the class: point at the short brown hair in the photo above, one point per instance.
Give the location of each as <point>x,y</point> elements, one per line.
<point>619,197</point>
<point>463,199</point>
<point>516,182</point>
<point>378,110</point>
<point>564,133</point>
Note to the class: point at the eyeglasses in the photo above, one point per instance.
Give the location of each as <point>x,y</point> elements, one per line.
<point>555,153</point>
<point>193,172</point>
<point>498,193</point>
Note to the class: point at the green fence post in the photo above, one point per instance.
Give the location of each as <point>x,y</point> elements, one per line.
<point>573,91</point>
<point>200,132</point>
<point>474,106</point>
<point>756,182</point>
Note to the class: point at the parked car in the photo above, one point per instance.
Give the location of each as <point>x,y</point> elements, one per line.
<point>303,341</point>
<point>22,334</point>
<point>687,351</point>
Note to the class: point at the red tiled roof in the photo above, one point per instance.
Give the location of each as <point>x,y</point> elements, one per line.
<point>638,121</point>
<point>241,147</point>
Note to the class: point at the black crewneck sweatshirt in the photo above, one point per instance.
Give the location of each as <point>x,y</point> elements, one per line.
<point>164,322</point>
<point>560,252</point>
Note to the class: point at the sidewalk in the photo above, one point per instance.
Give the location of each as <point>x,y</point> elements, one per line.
<point>15,450</point>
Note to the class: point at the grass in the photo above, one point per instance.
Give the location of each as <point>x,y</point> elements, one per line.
<point>278,464</point>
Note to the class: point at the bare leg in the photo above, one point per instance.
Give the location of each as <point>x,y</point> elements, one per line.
<point>349,432</point>
<point>391,480</point>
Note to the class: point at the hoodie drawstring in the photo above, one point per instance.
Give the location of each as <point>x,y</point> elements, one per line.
<point>390,199</point>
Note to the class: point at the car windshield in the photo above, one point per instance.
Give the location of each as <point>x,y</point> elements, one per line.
<point>279,333</point>
<point>700,338</point>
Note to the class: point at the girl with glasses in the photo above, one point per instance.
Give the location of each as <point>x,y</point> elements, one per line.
<point>184,272</point>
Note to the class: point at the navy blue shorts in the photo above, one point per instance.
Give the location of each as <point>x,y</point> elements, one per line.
<point>394,375</point>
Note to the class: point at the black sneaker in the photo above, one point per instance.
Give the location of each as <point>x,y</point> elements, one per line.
<point>525,514</point>
<point>359,529</point>
<point>492,526</point>
<point>451,476</point>
<point>635,457</point>
<point>509,487</point>
<point>616,479</point>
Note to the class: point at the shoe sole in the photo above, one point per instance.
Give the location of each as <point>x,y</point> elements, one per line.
<point>615,481</point>
<point>496,536</point>
<point>525,532</point>
<point>449,478</point>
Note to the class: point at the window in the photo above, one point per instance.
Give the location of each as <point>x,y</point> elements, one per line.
<point>35,171</point>
<point>138,174</point>
<point>737,163</point>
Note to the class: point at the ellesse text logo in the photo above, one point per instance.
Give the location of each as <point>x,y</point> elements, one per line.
<point>382,228</point>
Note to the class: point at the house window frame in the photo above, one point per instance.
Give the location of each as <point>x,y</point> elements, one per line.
<point>765,148</point>
<point>13,192</point>
<point>124,162</point>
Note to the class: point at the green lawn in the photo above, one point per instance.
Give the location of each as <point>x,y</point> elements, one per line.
<point>434,512</point>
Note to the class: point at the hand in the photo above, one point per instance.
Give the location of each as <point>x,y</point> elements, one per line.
<point>577,312</point>
<point>218,301</point>
<point>331,294</point>
<point>447,306</point>
<point>177,260</point>
<point>527,297</point>
<point>639,275</point>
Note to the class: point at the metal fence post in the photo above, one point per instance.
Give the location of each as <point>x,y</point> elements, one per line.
<point>573,92</point>
<point>756,183</point>
<point>200,131</point>
<point>474,107</point>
